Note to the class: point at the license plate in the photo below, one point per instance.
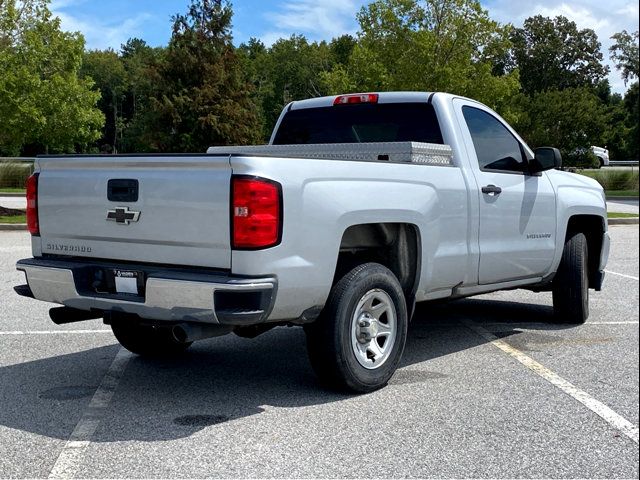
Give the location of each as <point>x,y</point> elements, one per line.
<point>126,281</point>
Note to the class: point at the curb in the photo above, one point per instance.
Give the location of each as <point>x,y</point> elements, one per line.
<point>12,227</point>
<point>12,194</point>
<point>624,221</point>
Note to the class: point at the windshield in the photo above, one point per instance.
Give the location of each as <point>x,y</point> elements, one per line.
<point>391,122</point>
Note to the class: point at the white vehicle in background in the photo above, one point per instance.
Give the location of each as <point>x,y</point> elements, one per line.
<point>602,154</point>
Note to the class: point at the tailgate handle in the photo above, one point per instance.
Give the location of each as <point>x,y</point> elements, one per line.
<point>122,190</point>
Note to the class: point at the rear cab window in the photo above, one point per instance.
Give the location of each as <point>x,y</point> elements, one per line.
<point>360,123</point>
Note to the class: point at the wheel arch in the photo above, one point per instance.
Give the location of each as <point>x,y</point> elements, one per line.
<point>593,228</point>
<point>397,246</point>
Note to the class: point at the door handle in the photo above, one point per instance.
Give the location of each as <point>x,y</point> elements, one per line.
<point>491,190</point>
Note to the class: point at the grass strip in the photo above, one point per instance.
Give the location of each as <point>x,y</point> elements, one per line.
<point>14,219</point>
<point>621,193</point>
<point>12,190</point>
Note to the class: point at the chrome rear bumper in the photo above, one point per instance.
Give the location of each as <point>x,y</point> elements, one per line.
<point>171,295</point>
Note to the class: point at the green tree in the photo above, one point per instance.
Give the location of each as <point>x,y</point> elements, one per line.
<point>43,102</point>
<point>107,70</point>
<point>572,120</point>
<point>202,97</point>
<point>289,70</point>
<point>624,131</point>
<point>341,49</point>
<point>142,65</point>
<point>436,45</point>
<point>632,107</point>
<point>552,54</point>
<point>625,54</point>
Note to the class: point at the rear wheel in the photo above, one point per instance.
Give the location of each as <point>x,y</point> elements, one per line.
<point>358,341</point>
<point>571,283</point>
<point>145,340</point>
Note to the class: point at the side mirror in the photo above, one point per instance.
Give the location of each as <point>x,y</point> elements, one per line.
<point>546,158</point>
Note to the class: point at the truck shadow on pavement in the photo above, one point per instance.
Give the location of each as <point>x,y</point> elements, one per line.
<point>225,379</point>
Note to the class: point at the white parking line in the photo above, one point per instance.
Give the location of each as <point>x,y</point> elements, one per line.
<point>15,249</point>
<point>623,275</point>
<point>72,454</point>
<point>548,324</point>
<point>597,407</point>
<point>611,323</point>
<point>52,332</point>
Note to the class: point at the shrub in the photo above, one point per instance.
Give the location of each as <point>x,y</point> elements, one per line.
<point>580,158</point>
<point>615,179</point>
<point>14,174</point>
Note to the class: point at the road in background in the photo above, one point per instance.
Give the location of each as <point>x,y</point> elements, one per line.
<point>458,407</point>
<point>13,202</point>
<point>623,206</point>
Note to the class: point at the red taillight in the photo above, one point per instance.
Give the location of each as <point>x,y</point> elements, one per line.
<point>256,213</point>
<point>32,205</point>
<point>357,98</point>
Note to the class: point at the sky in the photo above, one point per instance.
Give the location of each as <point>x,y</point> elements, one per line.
<point>109,23</point>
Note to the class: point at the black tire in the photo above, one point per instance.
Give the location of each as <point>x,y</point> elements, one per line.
<point>571,283</point>
<point>329,339</point>
<point>145,340</point>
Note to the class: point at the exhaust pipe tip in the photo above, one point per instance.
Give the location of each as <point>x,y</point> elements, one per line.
<point>179,334</point>
<point>190,332</point>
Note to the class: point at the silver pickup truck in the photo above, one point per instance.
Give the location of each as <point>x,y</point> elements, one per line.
<point>359,207</point>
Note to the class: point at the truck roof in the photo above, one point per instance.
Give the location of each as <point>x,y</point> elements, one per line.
<point>383,97</point>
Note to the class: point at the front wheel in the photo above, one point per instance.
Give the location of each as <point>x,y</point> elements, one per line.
<point>145,340</point>
<point>571,283</point>
<point>357,342</point>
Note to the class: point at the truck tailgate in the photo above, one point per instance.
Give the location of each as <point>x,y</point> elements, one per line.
<point>180,216</point>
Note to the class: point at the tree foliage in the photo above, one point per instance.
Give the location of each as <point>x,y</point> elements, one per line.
<point>631,123</point>
<point>44,104</point>
<point>202,97</point>
<point>553,54</point>
<point>572,119</point>
<point>432,45</point>
<point>289,70</point>
<point>107,70</point>
<point>547,77</point>
<point>625,54</point>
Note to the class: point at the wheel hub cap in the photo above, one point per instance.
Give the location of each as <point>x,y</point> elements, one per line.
<point>373,329</point>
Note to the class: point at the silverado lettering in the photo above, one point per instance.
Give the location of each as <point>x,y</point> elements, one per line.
<point>57,247</point>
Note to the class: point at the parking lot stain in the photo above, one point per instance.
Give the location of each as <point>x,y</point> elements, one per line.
<point>73,392</point>
<point>405,377</point>
<point>200,420</point>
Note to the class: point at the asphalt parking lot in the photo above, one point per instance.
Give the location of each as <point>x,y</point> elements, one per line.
<point>488,388</point>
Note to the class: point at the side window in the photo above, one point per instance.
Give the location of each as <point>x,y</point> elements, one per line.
<point>496,148</point>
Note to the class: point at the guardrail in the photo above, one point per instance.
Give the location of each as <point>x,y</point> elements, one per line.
<point>623,163</point>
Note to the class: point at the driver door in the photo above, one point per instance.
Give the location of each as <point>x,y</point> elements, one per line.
<point>517,223</point>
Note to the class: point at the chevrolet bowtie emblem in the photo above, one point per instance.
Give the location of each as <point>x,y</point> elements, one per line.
<point>122,215</point>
